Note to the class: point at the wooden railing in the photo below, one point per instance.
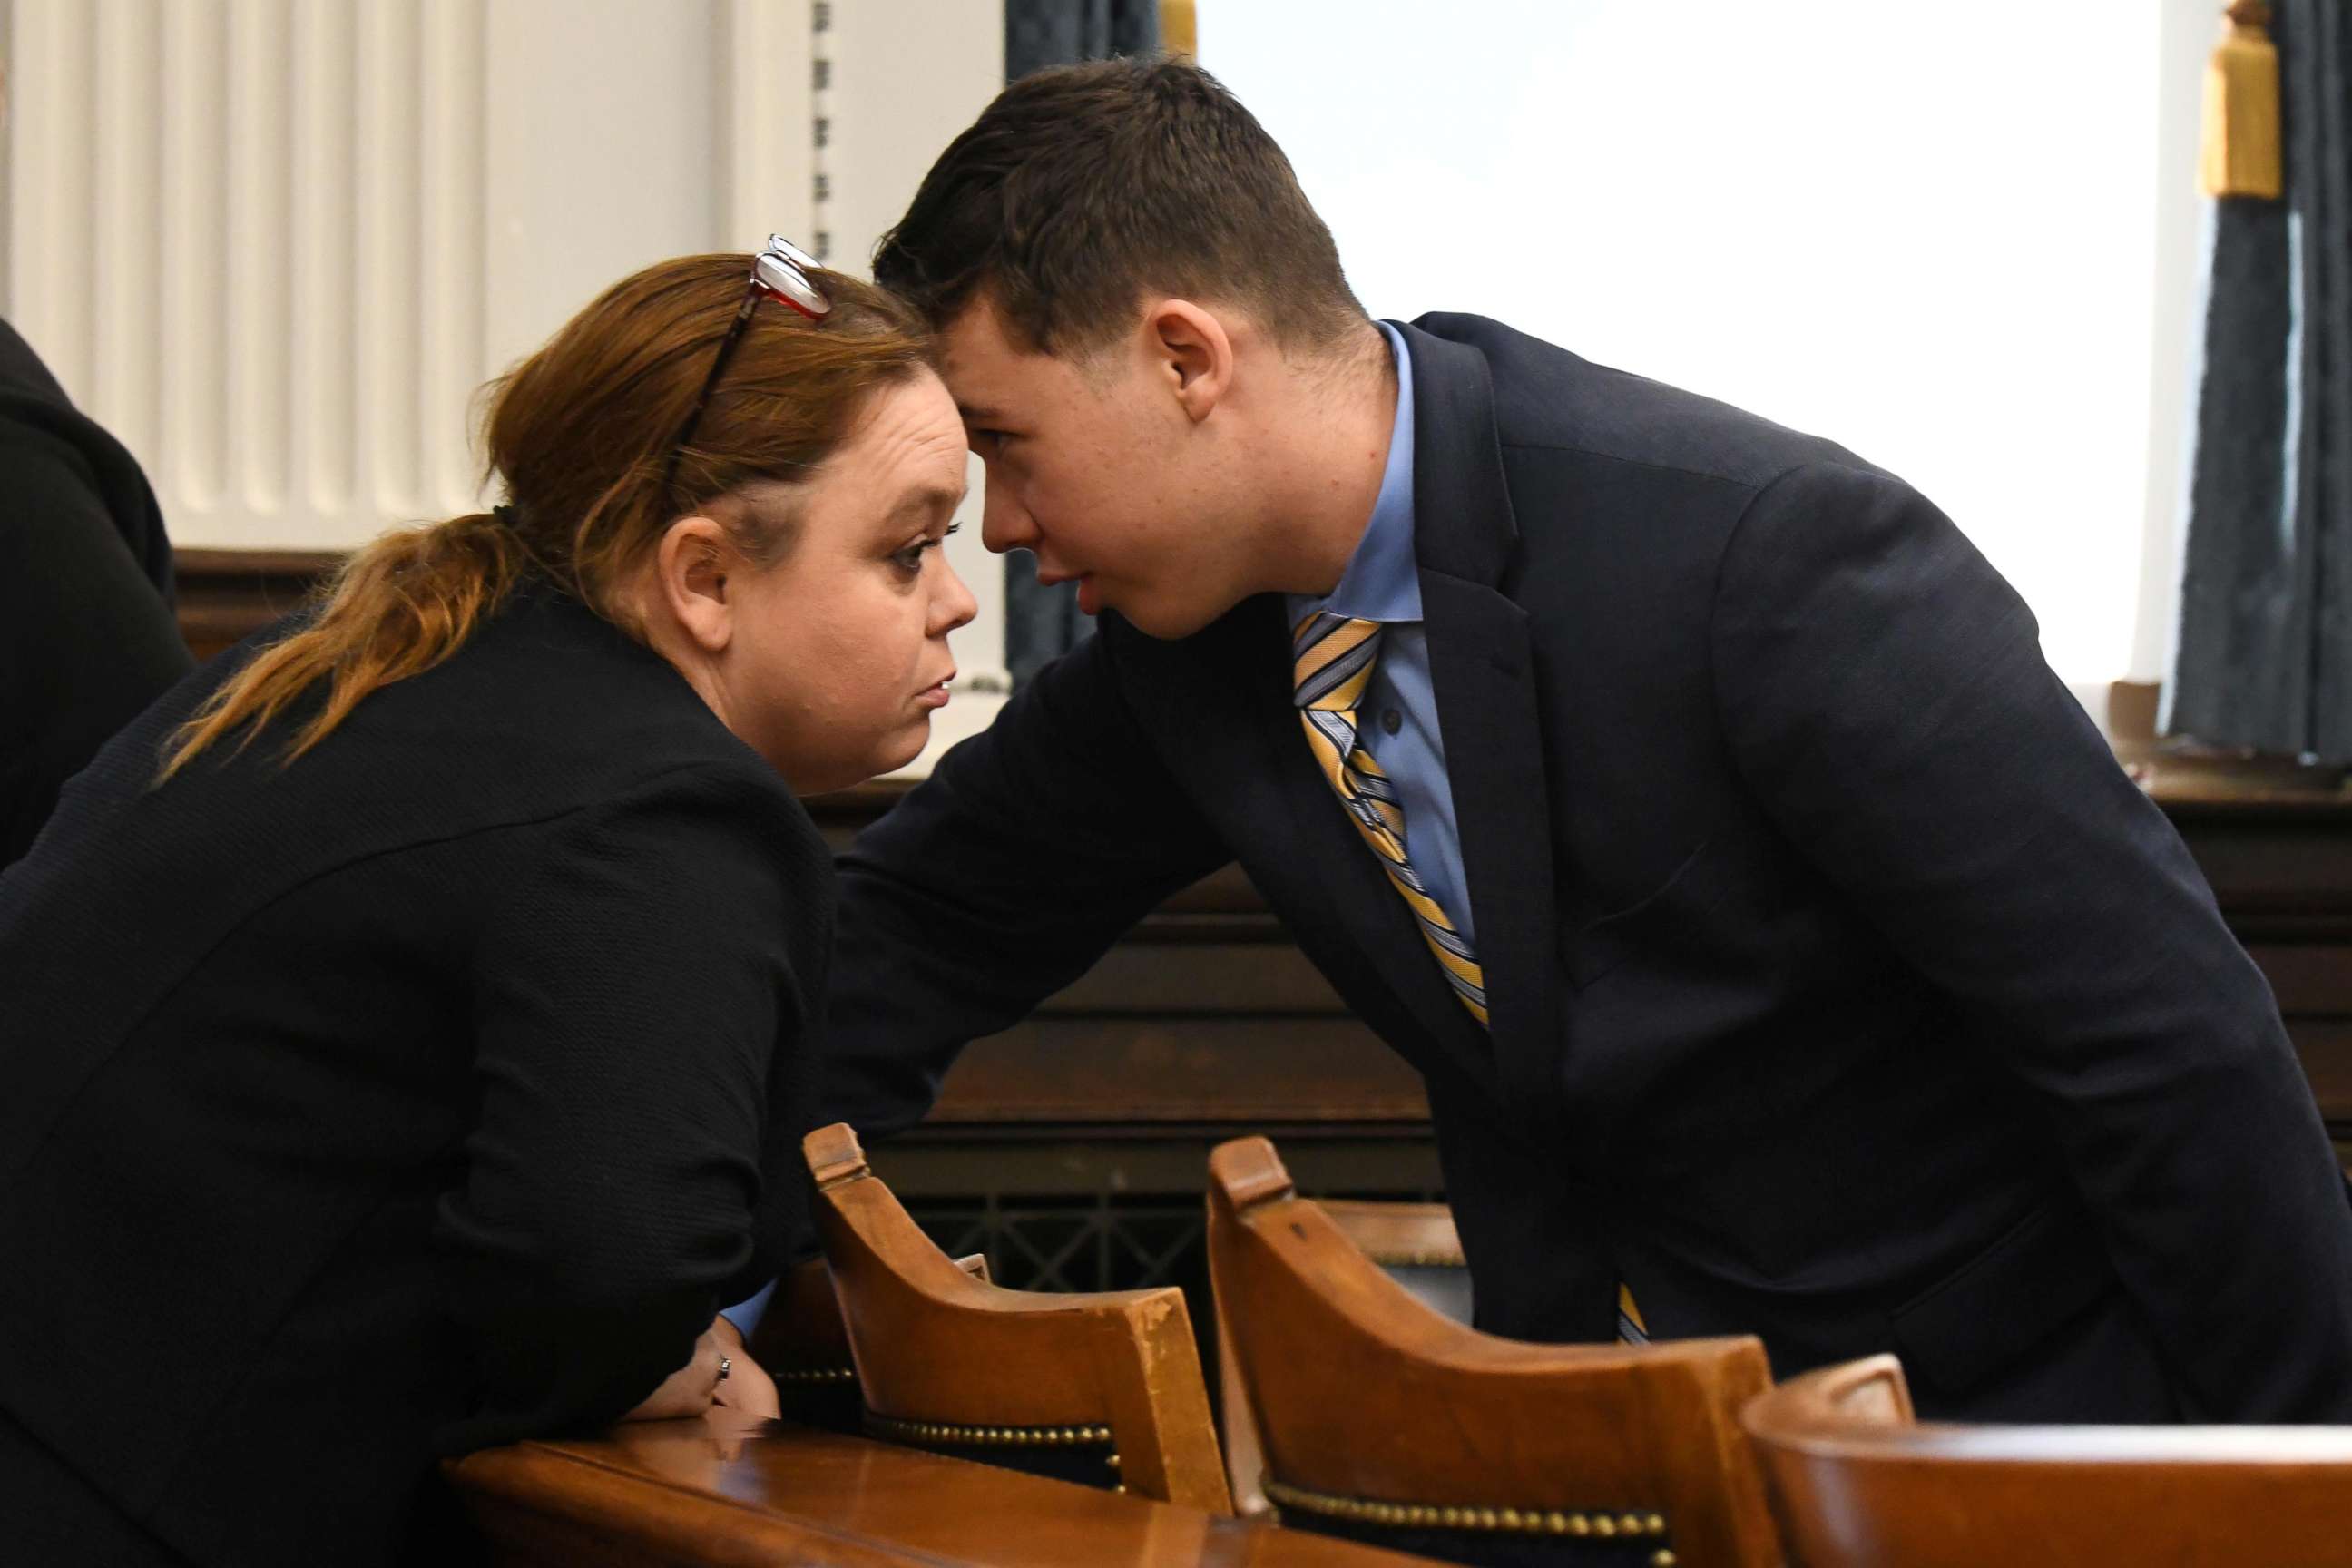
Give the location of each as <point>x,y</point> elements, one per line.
<point>728,1490</point>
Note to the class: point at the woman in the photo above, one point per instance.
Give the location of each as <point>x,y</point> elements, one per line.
<point>405,1024</point>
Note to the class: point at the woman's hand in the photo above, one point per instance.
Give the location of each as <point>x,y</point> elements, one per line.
<point>689,1389</point>
<point>747,1387</point>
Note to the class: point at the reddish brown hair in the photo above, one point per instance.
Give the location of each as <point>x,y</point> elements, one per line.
<point>1083,186</point>
<point>580,433</point>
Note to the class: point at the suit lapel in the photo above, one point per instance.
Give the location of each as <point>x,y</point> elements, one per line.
<point>1483,669</point>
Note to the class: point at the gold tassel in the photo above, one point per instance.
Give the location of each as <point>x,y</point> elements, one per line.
<point>1179,28</point>
<point>2242,108</point>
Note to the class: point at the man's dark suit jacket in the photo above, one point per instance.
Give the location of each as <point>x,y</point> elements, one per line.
<point>409,1098</point>
<point>1844,989</point>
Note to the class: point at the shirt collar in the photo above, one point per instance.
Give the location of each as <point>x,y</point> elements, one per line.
<point>1382,582</point>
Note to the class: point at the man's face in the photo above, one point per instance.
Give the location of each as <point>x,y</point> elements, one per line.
<point>1095,466</point>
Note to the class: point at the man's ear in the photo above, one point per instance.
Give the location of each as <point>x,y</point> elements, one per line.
<point>1192,353</point>
<point>690,573</point>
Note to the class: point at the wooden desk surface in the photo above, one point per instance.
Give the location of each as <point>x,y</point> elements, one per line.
<point>729,1491</point>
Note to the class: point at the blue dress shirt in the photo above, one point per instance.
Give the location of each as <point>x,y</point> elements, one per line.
<point>746,1315</point>
<point>1397,721</point>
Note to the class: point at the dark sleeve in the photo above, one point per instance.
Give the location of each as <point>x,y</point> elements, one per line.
<point>635,998</point>
<point>1884,691</point>
<point>85,641</point>
<point>997,883</point>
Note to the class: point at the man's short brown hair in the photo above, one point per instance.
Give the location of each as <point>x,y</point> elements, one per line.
<point>1084,187</point>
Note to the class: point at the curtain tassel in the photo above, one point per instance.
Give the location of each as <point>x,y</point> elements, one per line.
<point>2241,108</point>
<point>1179,29</point>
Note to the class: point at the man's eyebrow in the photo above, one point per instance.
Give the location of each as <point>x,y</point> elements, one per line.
<point>976,414</point>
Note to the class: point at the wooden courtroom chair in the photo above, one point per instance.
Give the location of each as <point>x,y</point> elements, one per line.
<point>803,1344</point>
<point>1420,1249</point>
<point>1856,1480</point>
<point>1383,1421</point>
<point>1103,1386</point>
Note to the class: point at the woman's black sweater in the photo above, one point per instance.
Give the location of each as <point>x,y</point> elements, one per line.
<point>429,1092</point>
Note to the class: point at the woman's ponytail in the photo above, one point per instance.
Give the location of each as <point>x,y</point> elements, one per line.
<point>397,609</point>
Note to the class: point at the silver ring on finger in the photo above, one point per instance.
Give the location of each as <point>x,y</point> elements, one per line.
<point>725,1367</point>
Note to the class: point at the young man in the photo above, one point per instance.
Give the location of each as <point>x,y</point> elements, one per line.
<point>1684,796</point>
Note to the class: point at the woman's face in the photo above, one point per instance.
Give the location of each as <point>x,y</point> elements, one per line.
<point>835,657</point>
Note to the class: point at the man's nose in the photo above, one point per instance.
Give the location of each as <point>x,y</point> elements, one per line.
<point>1005,523</point>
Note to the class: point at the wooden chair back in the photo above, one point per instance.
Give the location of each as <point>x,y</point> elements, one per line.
<point>948,1358</point>
<point>1857,1480</point>
<point>1418,1244</point>
<point>1373,1409</point>
<point>803,1344</point>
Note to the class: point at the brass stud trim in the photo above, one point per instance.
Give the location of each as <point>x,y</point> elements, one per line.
<point>816,1374</point>
<point>1464,1516</point>
<point>987,1436</point>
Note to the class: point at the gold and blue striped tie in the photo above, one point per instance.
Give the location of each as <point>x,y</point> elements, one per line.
<point>1331,662</point>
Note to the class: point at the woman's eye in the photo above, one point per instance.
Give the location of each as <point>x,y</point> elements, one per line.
<point>910,558</point>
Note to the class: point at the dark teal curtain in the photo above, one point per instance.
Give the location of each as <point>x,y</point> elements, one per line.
<point>1040,623</point>
<point>1040,33</point>
<point>2264,655</point>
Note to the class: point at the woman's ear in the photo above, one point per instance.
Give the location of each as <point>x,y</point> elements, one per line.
<point>690,573</point>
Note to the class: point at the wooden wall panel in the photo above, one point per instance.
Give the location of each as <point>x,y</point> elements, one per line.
<point>227,596</point>
<point>1207,1017</point>
<point>1192,1067</point>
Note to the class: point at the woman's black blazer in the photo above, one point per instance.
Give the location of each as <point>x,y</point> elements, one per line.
<point>429,1092</point>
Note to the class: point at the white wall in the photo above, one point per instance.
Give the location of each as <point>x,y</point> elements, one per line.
<point>1957,238</point>
<point>907,75</point>
<point>2177,263</point>
<point>276,244</point>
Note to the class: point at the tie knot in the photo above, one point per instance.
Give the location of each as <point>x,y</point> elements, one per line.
<point>1331,660</point>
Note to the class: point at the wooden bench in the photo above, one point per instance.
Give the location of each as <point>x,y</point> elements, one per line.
<point>1857,1480</point>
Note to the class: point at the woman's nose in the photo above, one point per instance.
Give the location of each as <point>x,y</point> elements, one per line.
<point>952,604</point>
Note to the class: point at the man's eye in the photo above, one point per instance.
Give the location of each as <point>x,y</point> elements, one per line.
<point>989,442</point>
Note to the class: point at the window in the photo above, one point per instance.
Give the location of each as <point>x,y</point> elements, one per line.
<point>1926,230</point>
